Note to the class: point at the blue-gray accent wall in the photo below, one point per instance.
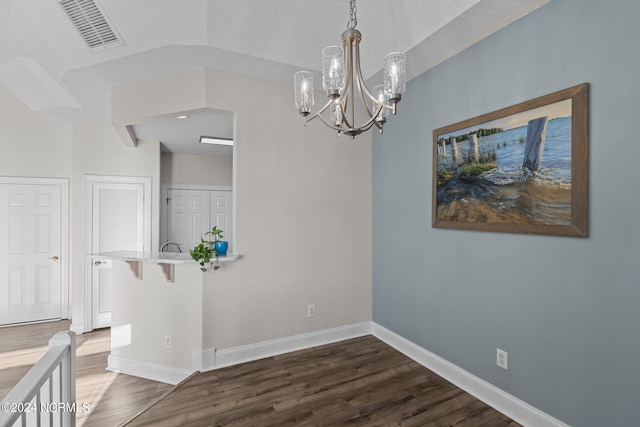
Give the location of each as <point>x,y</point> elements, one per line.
<point>566,309</point>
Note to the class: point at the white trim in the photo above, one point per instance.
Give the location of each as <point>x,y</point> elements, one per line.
<point>170,185</point>
<point>247,353</point>
<point>89,181</point>
<point>211,359</point>
<point>150,371</point>
<point>65,254</point>
<point>234,184</point>
<point>502,401</point>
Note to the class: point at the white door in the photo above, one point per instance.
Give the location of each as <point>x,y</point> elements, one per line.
<point>119,221</point>
<point>30,252</point>
<point>221,215</point>
<point>191,213</point>
<point>188,217</point>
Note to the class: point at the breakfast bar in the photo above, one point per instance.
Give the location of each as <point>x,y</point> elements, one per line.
<point>156,313</point>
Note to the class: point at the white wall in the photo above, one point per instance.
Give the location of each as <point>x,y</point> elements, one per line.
<point>33,147</point>
<point>141,321</point>
<point>30,145</point>
<point>179,168</point>
<point>303,210</point>
<point>98,150</point>
<point>303,200</point>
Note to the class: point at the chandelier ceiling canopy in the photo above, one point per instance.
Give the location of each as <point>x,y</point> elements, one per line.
<point>342,80</point>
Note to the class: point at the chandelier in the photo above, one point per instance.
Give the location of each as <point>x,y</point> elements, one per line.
<point>342,79</point>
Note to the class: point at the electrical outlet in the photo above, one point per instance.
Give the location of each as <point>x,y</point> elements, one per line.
<point>311,310</point>
<point>167,341</point>
<point>502,359</point>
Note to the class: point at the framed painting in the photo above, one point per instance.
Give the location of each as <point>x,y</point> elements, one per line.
<point>521,169</point>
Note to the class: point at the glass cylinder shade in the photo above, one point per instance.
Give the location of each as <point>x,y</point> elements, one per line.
<point>335,114</point>
<point>333,80</point>
<point>379,93</point>
<point>394,74</point>
<point>303,87</point>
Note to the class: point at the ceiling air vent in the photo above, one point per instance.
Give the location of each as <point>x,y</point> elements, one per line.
<point>88,17</point>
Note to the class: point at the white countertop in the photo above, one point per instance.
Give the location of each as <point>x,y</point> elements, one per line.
<point>157,257</point>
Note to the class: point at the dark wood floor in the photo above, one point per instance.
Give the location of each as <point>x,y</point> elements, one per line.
<point>357,382</point>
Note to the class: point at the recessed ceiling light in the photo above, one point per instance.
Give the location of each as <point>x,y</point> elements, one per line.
<point>215,140</point>
<point>184,116</point>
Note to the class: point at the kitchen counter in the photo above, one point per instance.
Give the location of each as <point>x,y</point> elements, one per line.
<point>157,312</point>
<point>157,257</point>
<point>166,260</point>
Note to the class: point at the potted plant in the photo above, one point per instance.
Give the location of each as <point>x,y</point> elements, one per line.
<point>203,252</point>
<point>220,246</point>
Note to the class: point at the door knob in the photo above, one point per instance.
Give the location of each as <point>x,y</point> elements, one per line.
<point>55,258</point>
<point>97,263</point>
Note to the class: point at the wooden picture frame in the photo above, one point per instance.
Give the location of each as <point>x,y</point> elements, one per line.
<point>521,169</point>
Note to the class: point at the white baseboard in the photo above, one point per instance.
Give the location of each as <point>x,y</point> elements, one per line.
<point>150,371</point>
<point>247,353</point>
<point>509,405</point>
<point>211,359</point>
<point>203,360</point>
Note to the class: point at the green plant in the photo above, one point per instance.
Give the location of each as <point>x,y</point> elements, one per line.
<point>215,232</point>
<point>472,170</point>
<point>204,251</point>
<point>444,175</point>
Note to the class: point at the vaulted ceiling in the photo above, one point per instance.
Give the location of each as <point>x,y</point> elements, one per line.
<point>46,63</point>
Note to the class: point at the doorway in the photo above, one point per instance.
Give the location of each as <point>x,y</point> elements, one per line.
<point>190,211</point>
<point>118,218</point>
<point>34,262</point>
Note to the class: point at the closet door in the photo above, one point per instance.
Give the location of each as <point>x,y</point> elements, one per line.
<point>119,219</point>
<point>221,215</point>
<point>188,217</point>
<point>191,213</point>
<point>30,253</point>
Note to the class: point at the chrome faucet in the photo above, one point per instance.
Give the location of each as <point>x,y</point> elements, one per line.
<point>170,243</point>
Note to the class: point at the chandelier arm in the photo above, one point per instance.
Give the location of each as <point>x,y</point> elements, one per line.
<point>361,83</point>
<point>364,126</point>
<point>330,125</point>
<point>319,112</point>
<point>348,90</point>
<point>362,97</point>
<point>353,47</point>
<point>318,115</point>
<point>334,127</point>
<point>364,87</point>
<point>378,111</point>
<point>367,125</point>
<point>345,119</point>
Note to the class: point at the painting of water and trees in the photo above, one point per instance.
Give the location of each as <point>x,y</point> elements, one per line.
<point>520,169</point>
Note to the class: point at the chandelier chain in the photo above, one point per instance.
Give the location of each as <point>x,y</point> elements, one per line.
<point>353,22</point>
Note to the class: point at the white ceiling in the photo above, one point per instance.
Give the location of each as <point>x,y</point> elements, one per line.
<point>44,61</point>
